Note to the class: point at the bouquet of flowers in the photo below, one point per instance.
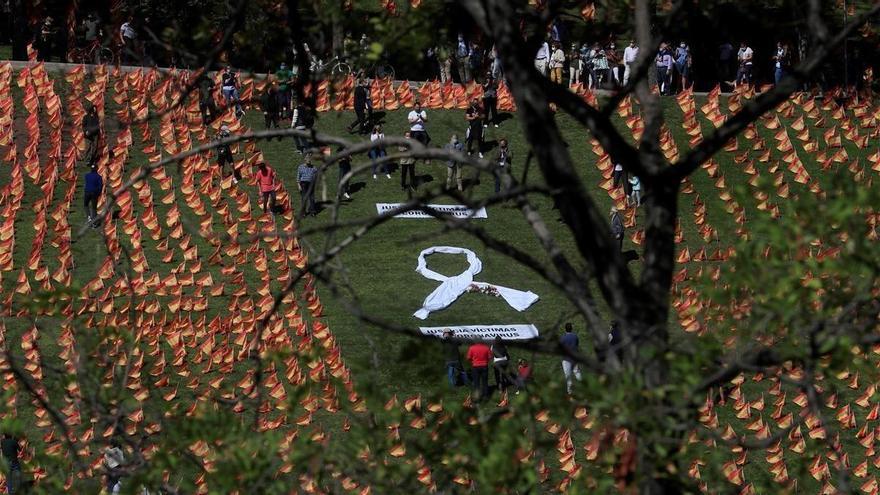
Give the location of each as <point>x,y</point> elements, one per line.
<point>488,289</point>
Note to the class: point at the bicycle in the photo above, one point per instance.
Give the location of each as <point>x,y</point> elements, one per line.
<point>94,53</point>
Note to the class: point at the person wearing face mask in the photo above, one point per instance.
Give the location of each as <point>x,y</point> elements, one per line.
<point>613,57</point>
<point>630,54</point>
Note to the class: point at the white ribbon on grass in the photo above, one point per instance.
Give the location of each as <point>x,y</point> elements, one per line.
<point>452,287</point>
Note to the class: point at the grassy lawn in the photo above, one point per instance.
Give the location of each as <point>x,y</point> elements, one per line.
<point>378,270</point>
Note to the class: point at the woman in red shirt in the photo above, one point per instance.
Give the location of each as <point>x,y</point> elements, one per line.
<point>268,181</point>
<point>479,354</point>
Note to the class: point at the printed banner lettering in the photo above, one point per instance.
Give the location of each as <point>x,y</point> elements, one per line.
<point>486,332</point>
<point>457,211</point>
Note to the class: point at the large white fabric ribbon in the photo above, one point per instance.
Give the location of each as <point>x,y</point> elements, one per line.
<point>452,287</point>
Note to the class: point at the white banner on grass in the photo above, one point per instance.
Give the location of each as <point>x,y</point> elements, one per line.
<point>486,332</point>
<point>457,211</point>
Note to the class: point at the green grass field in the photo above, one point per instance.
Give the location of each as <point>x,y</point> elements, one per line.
<point>379,268</point>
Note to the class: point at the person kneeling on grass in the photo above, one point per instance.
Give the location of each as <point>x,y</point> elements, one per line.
<point>305,180</point>
<point>268,182</point>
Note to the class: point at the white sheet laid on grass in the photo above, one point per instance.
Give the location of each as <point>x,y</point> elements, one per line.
<point>486,332</point>
<point>457,211</point>
<point>452,287</point>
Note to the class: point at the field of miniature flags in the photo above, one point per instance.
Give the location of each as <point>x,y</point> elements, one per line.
<point>192,267</point>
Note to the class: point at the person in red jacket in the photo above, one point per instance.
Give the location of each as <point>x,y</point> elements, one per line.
<point>479,354</point>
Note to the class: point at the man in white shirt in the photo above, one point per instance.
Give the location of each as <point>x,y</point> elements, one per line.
<point>417,118</point>
<point>542,58</point>
<point>744,56</point>
<point>630,54</point>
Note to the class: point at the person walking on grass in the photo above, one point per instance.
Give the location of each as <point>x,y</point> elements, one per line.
<point>270,102</point>
<point>503,163</point>
<point>305,181</point>
<point>363,108</point>
<point>744,56</point>
<point>9,447</point>
<point>781,62</point>
<point>224,156</point>
<point>453,167</point>
<point>229,88</point>
<point>683,64</point>
<point>94,188</point>
<point>91,127</point>
<point>344,169</point>
<point>570,368</point>
<point>617,227</point>
<point>574,65</point>
<point>377,152</point>
<point>114,458</point>
<point>473,116</point>
<point>454,370</point>
<point>407,167</point>
<point>268,182</point>
<point>479,356</point>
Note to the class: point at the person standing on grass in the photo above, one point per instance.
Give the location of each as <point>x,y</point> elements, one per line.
<point>407,167</point>
<point>574,65</point>
<point>523,374</point>
<point>454,369</point>
<point>474,118</point>
<point>417,119</point>
<point>570,344</point>
<point>500,364</point>
<point>683,63</point>
<point>377,152</point>
<point>207,106</point>
<point>284,77</point>
<point>305,181</point>
<point>635,197</point>
<point>114,458</point>
<point>268,181</point>
<point>503,162</point>
<point>303,119</point>
<point>363,108</point>
<point>463,59</point>
<point>664,69</point>
<point>744,56</point>
<point>618,176</point>
<point>94,188</point>
<point>479,356</point>
<point>490,101</point>
<point>9,447</point>
<point>91,126</point>
<point>270,102</point>
<point>453,167</point>
<point>613,57</point>
<point>617,227</point>
<point>630,54</point>
<point>344,169</point>
<point>557,62</point>
<point>781,62</point>
<point>542,58</point>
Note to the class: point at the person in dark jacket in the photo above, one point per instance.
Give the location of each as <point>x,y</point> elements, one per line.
<point>93,189</point>
<point>502,164</point>
<point>303,120</point>
<point>10,449</point>
<point>91,127</point>
<point>454,369</point>
<point>474,118</point>
<point>224,156</point>
<point>269,102</point>
<point>363,107</point>
<point>207,105</point>
<point>490,101</point>
<point>500,364</point>
<point>617,227</point>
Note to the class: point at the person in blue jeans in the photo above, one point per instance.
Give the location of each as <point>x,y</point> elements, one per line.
<point>229,89</point>
<point>454,369</point>
<point>378,152</point>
